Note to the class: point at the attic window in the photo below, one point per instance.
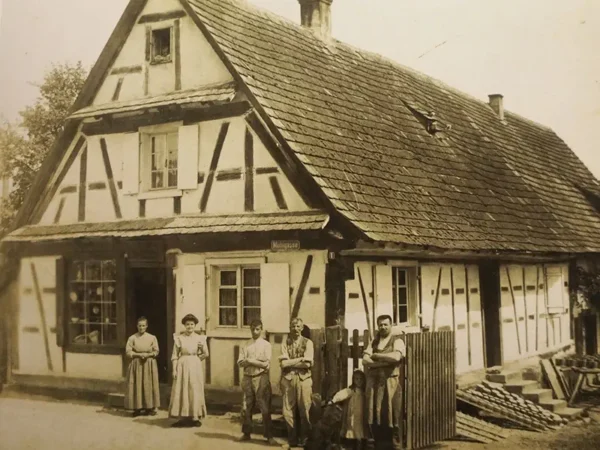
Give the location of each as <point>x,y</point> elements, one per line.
<point>429,120</point>
<point>161,46</point>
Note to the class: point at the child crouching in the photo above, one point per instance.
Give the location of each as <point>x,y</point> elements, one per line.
<point>354,424</point>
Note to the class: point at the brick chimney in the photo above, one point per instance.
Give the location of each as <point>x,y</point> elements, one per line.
<point>497,104</point>
<point>316,15</point>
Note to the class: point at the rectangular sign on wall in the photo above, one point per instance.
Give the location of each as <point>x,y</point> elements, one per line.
<point>285,245</point>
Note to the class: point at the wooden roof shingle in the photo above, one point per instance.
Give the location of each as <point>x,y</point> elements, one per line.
<point>349,117</point>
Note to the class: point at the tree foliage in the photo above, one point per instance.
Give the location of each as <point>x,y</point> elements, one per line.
<point>24,145</point>
<point>587,284</point>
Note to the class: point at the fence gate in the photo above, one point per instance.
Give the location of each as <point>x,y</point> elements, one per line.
<point>429,384</point>
<point>430,394</point>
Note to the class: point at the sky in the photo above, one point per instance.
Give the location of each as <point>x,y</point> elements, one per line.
<point>542,55</point>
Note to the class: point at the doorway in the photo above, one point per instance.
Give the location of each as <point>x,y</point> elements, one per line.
<point>148,296</point>
<point>590,330</point>
<point>489,279</point>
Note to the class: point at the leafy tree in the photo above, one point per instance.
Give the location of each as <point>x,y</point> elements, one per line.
<point>26,144</point>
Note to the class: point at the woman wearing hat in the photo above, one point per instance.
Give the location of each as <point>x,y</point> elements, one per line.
<point>187,394</point>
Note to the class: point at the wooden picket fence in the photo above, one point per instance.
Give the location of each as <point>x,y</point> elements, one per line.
<point>429,378</point>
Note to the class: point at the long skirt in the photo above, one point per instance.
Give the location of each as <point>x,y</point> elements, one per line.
<point>142,385</point>
<point>187,392</point>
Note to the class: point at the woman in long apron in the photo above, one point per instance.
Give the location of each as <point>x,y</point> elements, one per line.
<point>142,394</point>
<point>187,393</point>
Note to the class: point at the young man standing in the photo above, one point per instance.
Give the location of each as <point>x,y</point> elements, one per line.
<point>382,360</point>
<point>297,355</point>
<point>255,358</point>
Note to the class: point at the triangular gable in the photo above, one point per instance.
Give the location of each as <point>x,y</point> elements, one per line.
<point>271,185</point>
<point>164,52</point>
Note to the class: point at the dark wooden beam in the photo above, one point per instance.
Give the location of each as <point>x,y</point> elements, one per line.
<point>61,205</point>
<point>278,193</point>
<point>213,165</point>
<point>146,83</point>
<point>159,17</point>
<point>109,125</point>
<point>111,179</point>
<point>126,70</point>
<point>177,48</point>
<point>229,174</point>
<point>266,170</point>
<point>82,185</point>
<point>176,205</point>
<point>249,179</point>
<point>68,189</point>
<point>117,92</point>
<point>97,186</point>
<point>302,286</point>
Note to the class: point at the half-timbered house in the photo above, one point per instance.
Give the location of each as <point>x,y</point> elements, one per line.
<point>225,162</point>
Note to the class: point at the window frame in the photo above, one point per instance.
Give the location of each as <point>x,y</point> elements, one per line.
<point>412,298</point>
<point>153,56</point>
<point>113,348</point>
<point>239,288</point>
<point>147,134</point>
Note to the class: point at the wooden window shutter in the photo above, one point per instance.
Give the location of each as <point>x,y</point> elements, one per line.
<point>148,43</point>
<point>193,299</point>
<point>131,162</point>
<point>275,297</point>
<point>61,286</point>
<point>187,157</point>
<point>383,290</point>
<point>554,289</point>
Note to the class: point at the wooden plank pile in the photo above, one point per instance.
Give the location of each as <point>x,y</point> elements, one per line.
<point>493,399</point>
<point>478,430</point>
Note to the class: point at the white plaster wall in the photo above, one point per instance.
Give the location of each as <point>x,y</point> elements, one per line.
<point>355,317</point>
<point>467,322</point>
<point>537,331</point>
<point>32,350</point>
<point>103,367</point>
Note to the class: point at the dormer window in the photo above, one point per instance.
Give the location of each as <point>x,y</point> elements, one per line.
<point>161,46</point>
<point>429,120</point>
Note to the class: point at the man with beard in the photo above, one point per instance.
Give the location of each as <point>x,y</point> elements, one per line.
<point>382,361</point>
<point>297,354</point>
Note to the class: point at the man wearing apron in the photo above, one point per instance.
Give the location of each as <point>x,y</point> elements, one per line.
<point>297,355</point>
<point>382,362</point>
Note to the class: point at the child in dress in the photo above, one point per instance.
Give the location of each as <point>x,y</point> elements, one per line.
<point>142,394</point>
<point>187,393</point>
<point>354,423</point>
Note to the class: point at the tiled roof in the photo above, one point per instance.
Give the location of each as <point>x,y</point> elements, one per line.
<point>174,225</point>
<point>210,94</point>
<point>345,114</point>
